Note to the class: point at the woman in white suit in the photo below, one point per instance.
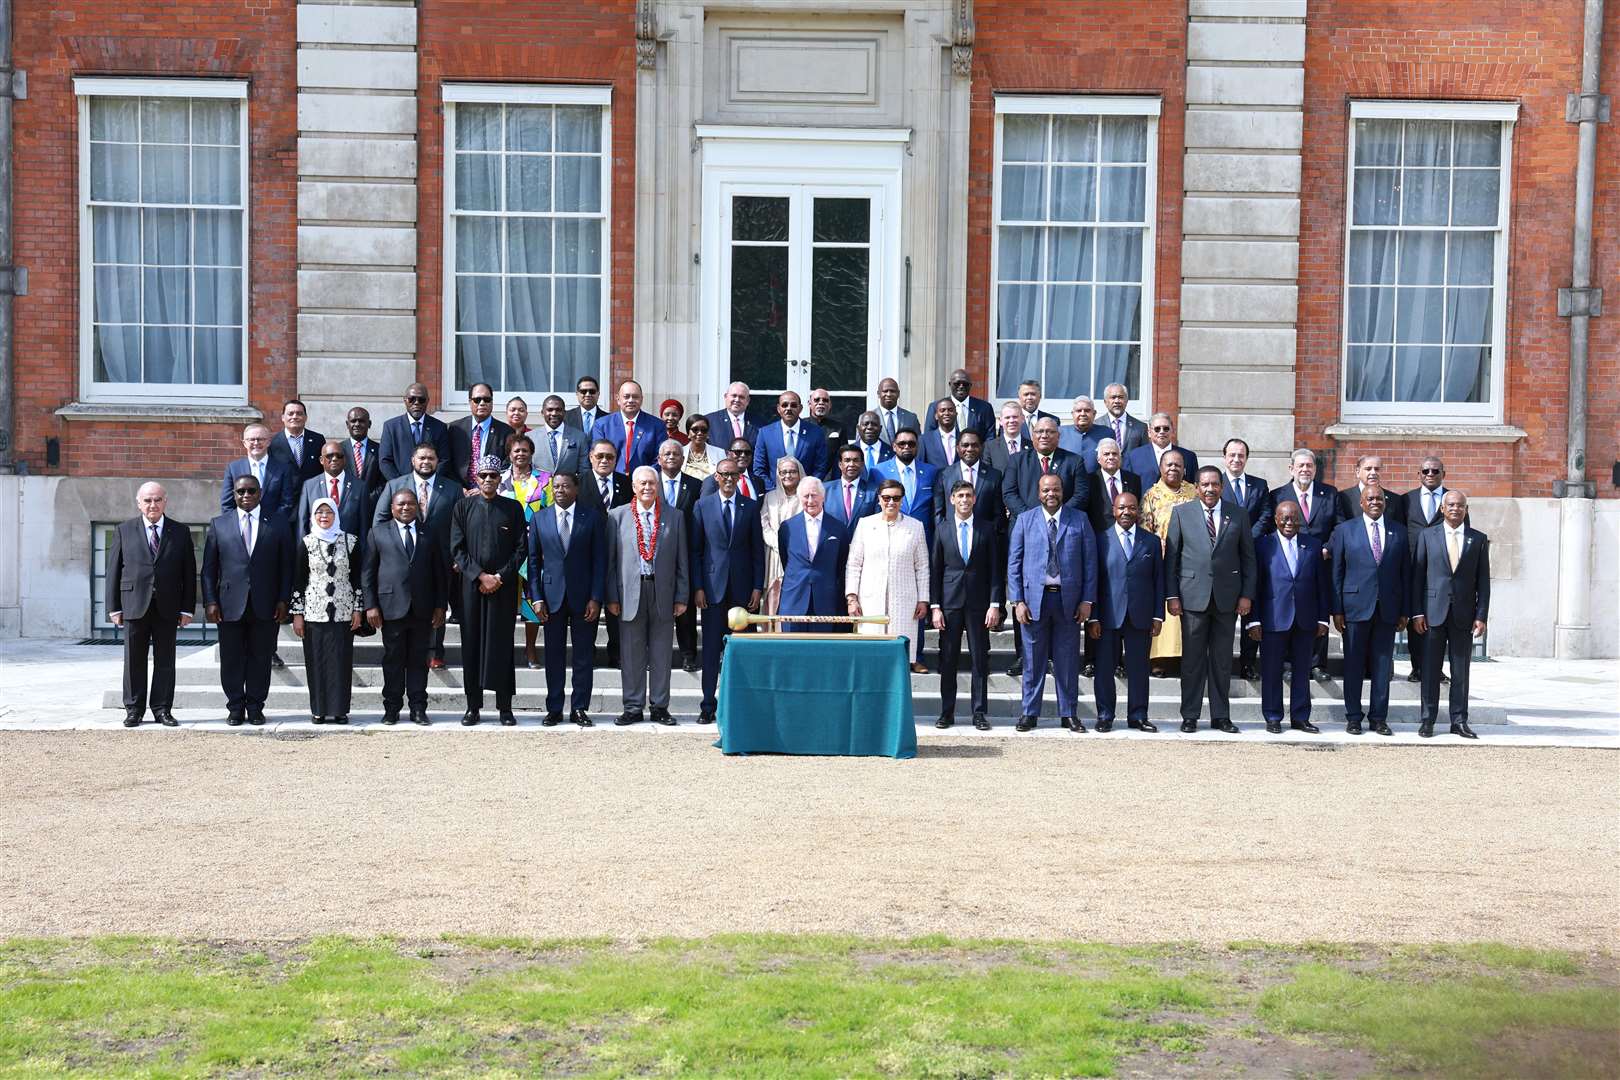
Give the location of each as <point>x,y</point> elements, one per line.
<point>887,572</point>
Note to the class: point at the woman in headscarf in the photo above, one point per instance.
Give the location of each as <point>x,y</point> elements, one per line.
<point>326,611</point>
<point>701,458</point>
<point>1170,492</point>
<point>532,490</point>
<point>671,412</point>
<point>781,503</point>
<point>887,572</point>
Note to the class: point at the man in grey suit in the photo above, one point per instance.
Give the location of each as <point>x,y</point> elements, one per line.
<point>1126,429</point>
<point>1211,578</point>
<point>647,586</point>
<point>1451,597</point>
<point>558,448</point>
<point>890,414</point>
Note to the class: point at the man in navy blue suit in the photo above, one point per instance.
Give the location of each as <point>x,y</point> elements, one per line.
<point>939,441</point>
<point>1253,495</point>
<point>1318,516</point>
<point>353,502</point>
<point>402,434</point>
<point>917,477</point>
<point>967,585</point>
<point>630,425</point>
<point>869,440</point>
<point>789,436</point>
<point>852,495</point>
<point>731,423</point>
<point>247,577</point>
<point>297,447</point>
<point>1052,584</point>
<point>970,466</point>
<point>814,550</point>
<point>1144,460</point>
<point>1371,578</point>
<point>1129,611</point>
<point>1019,484</point>
<point>1291,612</point>
<point>360,453</point>
<point>567,560</point>
<point>728,569</point>
<point>278,484</point>
<point>972,413</point>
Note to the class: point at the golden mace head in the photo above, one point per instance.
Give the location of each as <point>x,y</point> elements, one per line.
<point>737,618</point>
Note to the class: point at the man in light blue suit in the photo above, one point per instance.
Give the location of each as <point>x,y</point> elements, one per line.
<point>917,477</point>
<point>1052,584</point>
<point>851,496</point>
<point>1129,611</point>
<point>1291,612</point>
<point>814,550</point>
<point>567,579</point>
<point>1371,575</point>
<point>630,425</point>
<point>728,568</point>
<point>789,437</point>
<point>1082,436</point>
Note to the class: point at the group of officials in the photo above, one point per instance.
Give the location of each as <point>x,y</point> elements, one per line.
<point>949,521</point>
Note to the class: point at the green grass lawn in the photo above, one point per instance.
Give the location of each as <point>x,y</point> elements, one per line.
<point>799,1007</point>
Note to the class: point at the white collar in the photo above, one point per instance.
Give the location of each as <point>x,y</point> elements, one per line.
<point>960,521</point>
<point>1106,475</point>
<point>630,419</point>
<point>786,429</point>
<point>253,513</point>
<point>1460,530</point>
<point>564,511</point>
<point>160,523</point>
<point>404,526</point>
<point>291,437</point>
<point>1051,516</point>
<point>1122,531</point>
<point>1233,480</point>
<point>811,519</point>
<point>1376,523</point>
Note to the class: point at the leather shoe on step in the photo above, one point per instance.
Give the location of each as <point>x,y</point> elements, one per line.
<point>1016,671</point>
<point>233,719</point>
<point>1352,727</point>
<point>132,719</point>
<point>419,717</point>
<point>1226,726</point>
<point>690,664</point>
<point>1142,725</point>
<point>1063,722</point>
<point>469,718</point>
<point>1075,724</point>
<point>552,719</point>
<point>944,722</point>
<point>1189,727</point>
<point>1026,723</point>
<point>1461,728</point>
<point>1089,671</point>
<point>628,717</point>
<point>340,719</point>
<point>165,717</point>
<point>661,715</point>
<point>981,722</point>
<point>1306,726</point>
<point>1381,728</point>
<point>1105,726</point>
<point>1414,677</point>
<point>580,717</point>
<point>391,717</point>
<point>507,719</point>
<point>1426,730</point>
<point>1273,727</point>
<point>276,661</point>
<point>705,716</point>
<point>256,719</point>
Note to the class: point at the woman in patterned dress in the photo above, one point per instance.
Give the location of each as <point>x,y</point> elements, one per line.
<point>781,503</point>
<point>326,612</point>
<point>1170,492</point>
<point>532,490</point>
<point>701,458</point>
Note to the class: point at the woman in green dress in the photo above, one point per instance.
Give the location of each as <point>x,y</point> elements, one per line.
<point>532,490</point>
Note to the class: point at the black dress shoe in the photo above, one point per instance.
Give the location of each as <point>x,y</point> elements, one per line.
<point>1250,673</point>
<point>1461,728</point>
<point>1026,723</point>
<point>1076,725</point>
<point>1105,726</point>
<point>1089,671</point>
<point>469,718</point>
<point>1273,727</point>
<point>507,719</point>
<point>256,719</point>
<point>981,722</point>
<point>1426,730</point>
<point>1444,678</point>
<point>1381,728</point>
<point>165,717</point>
<point>1226,726</point>
<point>661,716</point>
<point>1063,722</point>
<point>706,716</point>
<point>1319,673</point>
<point>690,664</point>
<point>1119,672</point>
<point>1414,677</point>
<point>419,717</point>
<point>1016,671</point>
<point>1158,673</point>
<point>276,661</point>
<point>944,722</point>
<point>132,719</point>
<point>317,719</point>
<point>340,719</point>
<point>1352,727</point>
<point>552,719</point>
<point>233,719</point>
<point>1306,726</point>
<point>391,717</point>
<point>579,717</point>
<point>1142,725</point>
<point>1189,727</point>
<point>628,717</point>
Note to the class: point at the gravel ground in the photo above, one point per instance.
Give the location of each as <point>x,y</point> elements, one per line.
<point>198,835</point>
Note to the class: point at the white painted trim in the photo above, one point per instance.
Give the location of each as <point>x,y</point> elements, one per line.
<point>1078,104</point>
<point>526,94</point>
<point>809,134</point>
<point>1504,111</point>
<point>135,86</point>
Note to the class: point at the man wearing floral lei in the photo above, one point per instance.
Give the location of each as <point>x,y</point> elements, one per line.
<point>647,587</point>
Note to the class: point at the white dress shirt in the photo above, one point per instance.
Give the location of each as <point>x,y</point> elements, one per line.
<point>1051,579</point>
<point>253,516</point>
<point>1377,527</point>
<point>812,532</point>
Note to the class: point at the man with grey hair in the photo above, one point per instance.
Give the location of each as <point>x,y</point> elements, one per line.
<point>1082,434</point>
<point>732,422</point>
<point>1144,460</point>
<point>151,592</point>
<point>278,484</point>
<point>647,586</point>
<point>1126,429</point>
<point>814,548</point>
<point>1319,513</point>
<point>680,492</point>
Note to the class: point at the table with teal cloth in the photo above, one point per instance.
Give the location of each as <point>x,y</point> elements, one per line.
<point>802,695</point>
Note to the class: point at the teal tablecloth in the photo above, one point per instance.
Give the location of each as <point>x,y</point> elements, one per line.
<point>808,696</point>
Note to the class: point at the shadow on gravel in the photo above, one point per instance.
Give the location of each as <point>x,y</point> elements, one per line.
<point>958,750</point>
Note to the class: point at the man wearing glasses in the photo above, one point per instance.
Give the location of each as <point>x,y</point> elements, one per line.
<point>1422,506</point>
<point>728,568</point>
<point>402,434</point>
<point>917,478</point>
<point>972,413</point>
<point>1144,460</point>
<point>477,436</point>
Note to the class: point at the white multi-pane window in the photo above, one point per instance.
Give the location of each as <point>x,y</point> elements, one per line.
<point>162,239</point>
<point>526,196</point>
<point>1073,250</point>
<point>1426,260</point>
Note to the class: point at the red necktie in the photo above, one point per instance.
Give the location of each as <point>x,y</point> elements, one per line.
<point>359,459</point>
<point>1046,464</point>
<point>334,489</point>
<point>629,441</point>
<point>1305,504</point>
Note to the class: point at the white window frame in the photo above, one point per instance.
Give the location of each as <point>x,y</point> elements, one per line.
<point>85,88</point>
<point>1083,105</point>
<point>1486,413</point>
<point>518,94</point>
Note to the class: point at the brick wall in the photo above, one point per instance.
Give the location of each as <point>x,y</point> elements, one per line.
<point>1529,53</point>
<point>1089,46</point>
<point>54,42</point>
<point>529,41</point>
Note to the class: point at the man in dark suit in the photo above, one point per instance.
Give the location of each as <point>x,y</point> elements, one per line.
<point>731,423</point>
<point>1144,460</point>
<point>247,578</point>
<point>602,489</point>
<point>354,507</point>
<point>477,436</point>
<point>567,581</point>
<point>1291,613</point>
<point>1370,473</point>
<point>970,466</point>
<point>1253,495</point>
<point>1423,510</point>
<point>436,498</point>
<point>558,448</point>
<point>852,495</point>
<point>789,437</point>
<point>680,493</point>
<point>361,454</point>
<point>1012,440</point>
<point>814,550</point>
<point>1020,483</point>
<point>967,585</point>
<point>891,416</point>
<point>728,569</point>
<point>583,417</point>
<point>1129,612</point>
<point>939,441</point>
<point>1210,576</point>
<point>151,593</point>
<point>634,434</point>
<point>1029,404</point>
<point>405,586</point>
<point>1318,516</point>
<point>1451,596</point>
<point>278,484</point>
<point>1125,429</point>
<point>1051,584</point>
<point>297,447</point>
<point>1082,435</point>
<point>743,454</point>
<point>972,413</point>
<point>917,478</point>
<point>869,441</point>
<point>404,433</point>
<point>648,585</point>
<point>1106,484</point>
<point>1371,597</point>
<point>820,414</point>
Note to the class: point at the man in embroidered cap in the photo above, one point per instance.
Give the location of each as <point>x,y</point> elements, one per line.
<point>488,539</point>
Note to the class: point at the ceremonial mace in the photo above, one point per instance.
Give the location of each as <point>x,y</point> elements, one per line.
<point>739,619</point>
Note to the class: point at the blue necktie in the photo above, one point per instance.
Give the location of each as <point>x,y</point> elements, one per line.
<point>964,539</point>
<point>553,448</point>
<point>416,433</point>
<point>726,520</point>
